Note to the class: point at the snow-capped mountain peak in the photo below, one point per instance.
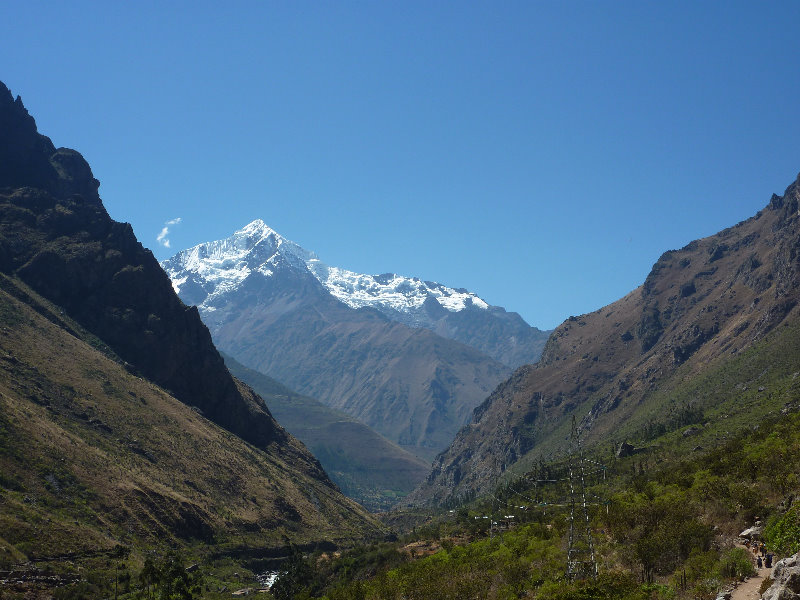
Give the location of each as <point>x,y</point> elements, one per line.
<point>389,290</point>
<point>258,271</point>
<point>220,267</point>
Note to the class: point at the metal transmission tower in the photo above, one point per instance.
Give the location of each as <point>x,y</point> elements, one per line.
<point>581,561</point>
<point>570,493</point>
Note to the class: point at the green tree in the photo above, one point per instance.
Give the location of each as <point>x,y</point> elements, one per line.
<point>783,533</point>
<point>176,583</point>
<point>169,580</point>
<point>149,576</point>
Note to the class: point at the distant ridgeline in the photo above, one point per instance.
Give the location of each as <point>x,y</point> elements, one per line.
<point>365,465</point>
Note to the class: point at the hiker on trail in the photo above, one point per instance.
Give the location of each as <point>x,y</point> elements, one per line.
<point>769,560</point>
<point>758,562</point>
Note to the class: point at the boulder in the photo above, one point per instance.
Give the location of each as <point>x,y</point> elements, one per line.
<point>752,533</point>
<point>786,576</point>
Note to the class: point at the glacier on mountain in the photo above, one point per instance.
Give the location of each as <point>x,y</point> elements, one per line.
<point>220,267</point>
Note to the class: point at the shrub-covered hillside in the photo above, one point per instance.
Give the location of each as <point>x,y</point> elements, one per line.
<point>663,527</point>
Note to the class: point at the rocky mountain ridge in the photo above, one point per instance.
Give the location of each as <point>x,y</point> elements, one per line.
<point>204,274</point>
<point>59,240</point>
<point>101,359</point>
<point>699,307</point>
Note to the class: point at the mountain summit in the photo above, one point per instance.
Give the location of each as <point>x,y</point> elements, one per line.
<point>204,274</point>
<point>218,266</point>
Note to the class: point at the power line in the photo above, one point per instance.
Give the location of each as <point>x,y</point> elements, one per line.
<point>581,556</point>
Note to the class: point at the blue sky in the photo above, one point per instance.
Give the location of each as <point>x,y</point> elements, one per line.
<point>541,154</point>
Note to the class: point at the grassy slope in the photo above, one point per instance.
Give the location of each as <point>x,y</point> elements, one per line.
<point>732,395</point>
<point>675,507</point>
<point>365,465</point>
<point>92,457</point>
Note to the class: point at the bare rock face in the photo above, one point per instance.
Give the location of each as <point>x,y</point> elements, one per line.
<point>28,159</point>
<point>752,533</point>
<point>786,575</point>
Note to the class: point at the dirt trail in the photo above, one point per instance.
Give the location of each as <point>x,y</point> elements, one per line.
<point>749,589</point>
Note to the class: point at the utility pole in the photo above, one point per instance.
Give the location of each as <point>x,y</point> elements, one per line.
<point>581,561</point>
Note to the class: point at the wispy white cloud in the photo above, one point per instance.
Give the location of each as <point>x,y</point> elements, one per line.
<point>162,238</point>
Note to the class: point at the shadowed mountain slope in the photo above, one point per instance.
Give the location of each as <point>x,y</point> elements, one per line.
<point>98,350</point>
<point>58,238</point>
<point>616,369</point>
<point>365,465</point>
<point>92,457</point>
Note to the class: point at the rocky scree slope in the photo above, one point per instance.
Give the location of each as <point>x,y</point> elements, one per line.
<point>267,310</point>
<point>57,240</point>
<point>699,307</point>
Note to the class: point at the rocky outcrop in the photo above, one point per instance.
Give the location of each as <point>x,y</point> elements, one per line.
<point>28,159</point>
<point>752,533</point>
<point>786,577</point>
